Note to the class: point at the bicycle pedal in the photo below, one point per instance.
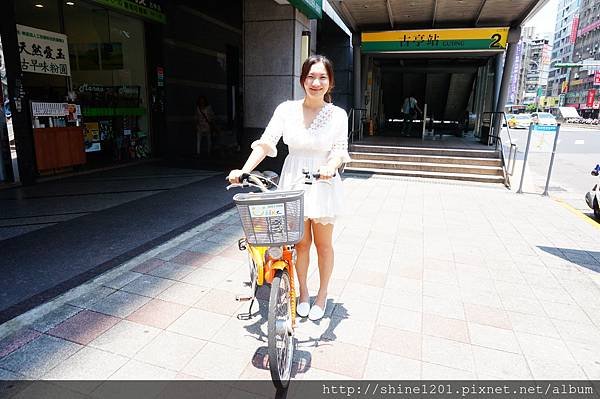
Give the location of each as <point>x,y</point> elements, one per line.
<point>243,298</point>
<point>244,316</point>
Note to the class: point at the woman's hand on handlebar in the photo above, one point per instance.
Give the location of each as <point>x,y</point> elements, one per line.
<point>235,176</point>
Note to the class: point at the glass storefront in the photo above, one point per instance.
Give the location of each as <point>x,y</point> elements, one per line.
<point>107,81</point>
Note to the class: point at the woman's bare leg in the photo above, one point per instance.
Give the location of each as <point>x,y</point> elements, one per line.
<point>302,261</point>
<point>323,237</point>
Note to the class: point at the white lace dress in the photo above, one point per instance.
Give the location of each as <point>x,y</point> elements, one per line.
<point>326,138</point>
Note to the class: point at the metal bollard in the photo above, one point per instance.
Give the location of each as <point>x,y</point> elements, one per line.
<point>520,190</point>
<point>551,160</point>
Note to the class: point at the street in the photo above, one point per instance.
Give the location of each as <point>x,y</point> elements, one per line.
<point>578,151</point>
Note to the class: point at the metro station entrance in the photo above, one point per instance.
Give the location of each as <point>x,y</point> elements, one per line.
<point>415,88</point>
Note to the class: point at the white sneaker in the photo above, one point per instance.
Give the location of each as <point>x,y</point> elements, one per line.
<point>316,313</point>
<point>303,309</point>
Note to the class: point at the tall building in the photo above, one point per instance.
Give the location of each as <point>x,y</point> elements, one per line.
<point>537,68</point>
<point>565,34</point>
<point>532,66</point>
<point>582,93</point>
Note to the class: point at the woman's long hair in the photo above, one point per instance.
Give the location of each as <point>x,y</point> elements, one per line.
<point>310,61</point>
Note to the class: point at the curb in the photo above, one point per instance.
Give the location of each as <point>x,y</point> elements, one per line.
<point>578,213</point>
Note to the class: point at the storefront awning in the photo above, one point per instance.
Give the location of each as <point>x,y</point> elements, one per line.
<point>568,112</point>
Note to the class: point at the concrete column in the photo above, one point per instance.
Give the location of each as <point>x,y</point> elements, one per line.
<point>499,64</point>
<point>513,38</point>
<point>272,48</point>
<point>356,59</point>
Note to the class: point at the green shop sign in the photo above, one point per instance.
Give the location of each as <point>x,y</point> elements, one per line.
<point>148,9</point>
<point>313,9</point>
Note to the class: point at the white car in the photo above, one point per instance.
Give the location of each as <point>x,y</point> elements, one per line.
<point>520,121</point>
<point>543,118</point>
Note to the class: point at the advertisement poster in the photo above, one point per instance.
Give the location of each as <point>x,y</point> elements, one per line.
<point>42,51</point>
<point>105,130</point>
<point>91,132</point>
<point>542,138</point>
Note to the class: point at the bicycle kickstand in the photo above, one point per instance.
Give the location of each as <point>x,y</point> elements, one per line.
<point>247,315</point>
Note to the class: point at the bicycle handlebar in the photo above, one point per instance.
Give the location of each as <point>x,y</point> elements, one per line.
<point>262,183</point>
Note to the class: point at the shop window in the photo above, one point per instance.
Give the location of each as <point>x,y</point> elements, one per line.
<point>108,67</point>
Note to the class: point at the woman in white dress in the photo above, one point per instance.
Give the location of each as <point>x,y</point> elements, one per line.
<point>316,132</point>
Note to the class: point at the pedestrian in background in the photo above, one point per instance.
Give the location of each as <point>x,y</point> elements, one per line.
<point>205,122</point>
<point>409,112</point>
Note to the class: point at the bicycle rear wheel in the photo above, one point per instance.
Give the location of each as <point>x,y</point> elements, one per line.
<point>281,340</point>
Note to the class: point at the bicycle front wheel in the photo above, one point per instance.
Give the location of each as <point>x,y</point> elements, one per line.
<point>281,340</point>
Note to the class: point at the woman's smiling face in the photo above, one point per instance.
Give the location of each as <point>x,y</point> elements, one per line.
<point>316,83</point>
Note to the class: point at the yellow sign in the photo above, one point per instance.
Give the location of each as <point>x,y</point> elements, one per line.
<point>436,40</point>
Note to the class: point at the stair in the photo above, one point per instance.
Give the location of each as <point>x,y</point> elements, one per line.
<point>438,163</point>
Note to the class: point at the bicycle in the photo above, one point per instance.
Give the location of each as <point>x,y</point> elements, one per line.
<point>273,222</point>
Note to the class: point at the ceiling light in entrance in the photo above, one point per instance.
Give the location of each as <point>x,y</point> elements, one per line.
<point>39,5</point>
<point>70,3</point>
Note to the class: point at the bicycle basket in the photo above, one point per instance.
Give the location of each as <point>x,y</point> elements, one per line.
<point>274,218</point>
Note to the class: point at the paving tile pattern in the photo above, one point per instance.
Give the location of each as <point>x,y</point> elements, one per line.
<point>432,280</point>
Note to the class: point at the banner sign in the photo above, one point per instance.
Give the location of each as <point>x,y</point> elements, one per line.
<point>589,101</point>
<point>149,9</point>
<point>574,27</point>
<point>493,39</point>
<point>313,9</point>
<point>514,79</point>
<point>42,51</point>
<point>597,78</point>
<point>588,28</point>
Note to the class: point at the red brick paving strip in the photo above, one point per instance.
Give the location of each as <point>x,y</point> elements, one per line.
<point>190,258</point>
<point>157,313</point>
<point>84,327</point>
<point>17,340</point>
<point>148,266</point>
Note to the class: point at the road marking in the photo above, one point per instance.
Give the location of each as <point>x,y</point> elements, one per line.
<point>579,142</point>
<point>578,213</point>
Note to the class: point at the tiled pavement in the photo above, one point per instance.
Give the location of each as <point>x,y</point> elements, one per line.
<point>432,280</point>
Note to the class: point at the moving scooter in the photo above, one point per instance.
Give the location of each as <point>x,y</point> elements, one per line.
<point>593,197</point>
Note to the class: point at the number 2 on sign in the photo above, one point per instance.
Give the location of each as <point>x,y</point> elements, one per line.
<point>496,41</point>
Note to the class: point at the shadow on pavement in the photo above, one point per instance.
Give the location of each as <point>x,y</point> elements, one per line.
<point>588,259</point>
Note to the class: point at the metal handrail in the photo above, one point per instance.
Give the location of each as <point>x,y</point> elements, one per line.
<point>508,163</point>
<point>353,130</point>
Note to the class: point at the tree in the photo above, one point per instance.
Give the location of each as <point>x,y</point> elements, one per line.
<point>530,108</point>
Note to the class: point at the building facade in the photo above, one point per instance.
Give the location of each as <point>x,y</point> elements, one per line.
<point>529,79</point>
<point>584,87</point>
<point>565,34</point>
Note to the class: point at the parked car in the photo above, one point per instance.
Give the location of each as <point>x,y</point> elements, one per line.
<point>520,121</point>
<point>543,118</point>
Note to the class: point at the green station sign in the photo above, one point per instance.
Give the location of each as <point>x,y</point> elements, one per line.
<point>428,40</point>
<point>313,9</point>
